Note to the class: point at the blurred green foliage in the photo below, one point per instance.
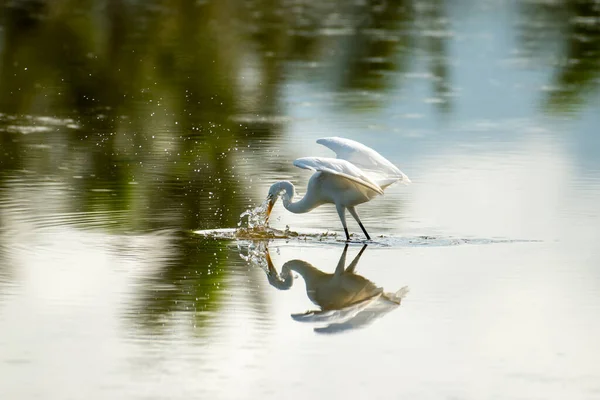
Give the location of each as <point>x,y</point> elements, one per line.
<point>568,34</point>
<point>136,107</point>
<point>155,88</point>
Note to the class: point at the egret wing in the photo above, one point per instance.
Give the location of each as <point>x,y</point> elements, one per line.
<point>338,316</point>
<point>380,169</point>
<point>338,167</point>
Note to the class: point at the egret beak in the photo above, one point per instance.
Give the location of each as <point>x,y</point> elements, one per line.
<point>270,206</point>
<point>272,269</point>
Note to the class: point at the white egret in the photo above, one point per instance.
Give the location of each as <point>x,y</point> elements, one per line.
<point>357,175</point>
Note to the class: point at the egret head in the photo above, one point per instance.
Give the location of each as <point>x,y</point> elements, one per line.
<point>276,190</point>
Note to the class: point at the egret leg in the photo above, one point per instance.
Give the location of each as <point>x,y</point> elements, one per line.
<point>342,263</point>
<point>355,215</point>
<point>354,262</point>
<point>342,213</point>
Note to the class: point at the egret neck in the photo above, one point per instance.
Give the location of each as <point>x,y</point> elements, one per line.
<point>304,205</point>
<point>285,279</point>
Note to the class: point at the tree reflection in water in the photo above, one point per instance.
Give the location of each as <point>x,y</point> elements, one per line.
<point>568,32</point>
<point>143,108</point>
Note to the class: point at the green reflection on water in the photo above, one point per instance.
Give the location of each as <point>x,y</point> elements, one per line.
<point>144,99</point>
<point>189,288</point>
<point>152,91</point>
<point>569,32</point>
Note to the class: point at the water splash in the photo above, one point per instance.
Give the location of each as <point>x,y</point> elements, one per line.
<point>253,225</point>
<point>267,233</point>
<point>255,218</point>
<point>255,254</point>
<point>336,238</point>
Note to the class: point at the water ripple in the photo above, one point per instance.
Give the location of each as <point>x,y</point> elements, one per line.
<point>328,237</point>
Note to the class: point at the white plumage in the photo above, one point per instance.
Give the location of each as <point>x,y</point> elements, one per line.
<point>357,175</point>
<point>368,160</point>
<point>339,167</point>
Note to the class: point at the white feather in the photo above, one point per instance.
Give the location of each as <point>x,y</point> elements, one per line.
<point>378,168</point>
<point>338,167</point>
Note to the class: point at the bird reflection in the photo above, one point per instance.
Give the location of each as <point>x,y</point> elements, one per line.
<point>346,300</point>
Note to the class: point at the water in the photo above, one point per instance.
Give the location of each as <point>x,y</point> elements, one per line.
<point>134,134</point>
<point>255,218</point>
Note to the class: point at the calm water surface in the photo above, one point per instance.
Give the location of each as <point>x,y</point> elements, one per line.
<point>127,126</point>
